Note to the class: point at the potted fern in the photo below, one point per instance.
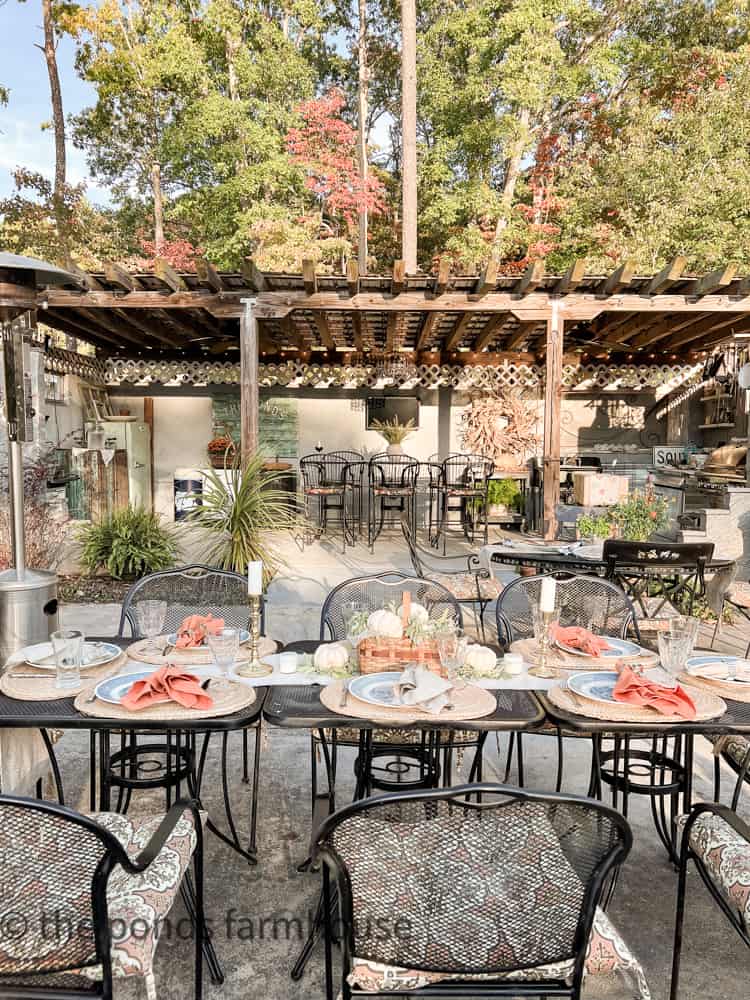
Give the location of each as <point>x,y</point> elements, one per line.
<point>394,433</point>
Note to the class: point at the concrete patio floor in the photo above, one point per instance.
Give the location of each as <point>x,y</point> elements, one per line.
<point>245,903</point>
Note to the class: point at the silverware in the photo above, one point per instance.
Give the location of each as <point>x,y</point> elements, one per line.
<point>29,677</point>
<point>344,695</point>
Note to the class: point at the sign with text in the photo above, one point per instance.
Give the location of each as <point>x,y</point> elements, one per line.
<point>668,454</point>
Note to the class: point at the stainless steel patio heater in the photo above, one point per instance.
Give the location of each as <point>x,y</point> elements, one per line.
<point>28,598</point>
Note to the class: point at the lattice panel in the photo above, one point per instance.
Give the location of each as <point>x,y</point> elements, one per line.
<point>61,362</point>
<point>591,378</point>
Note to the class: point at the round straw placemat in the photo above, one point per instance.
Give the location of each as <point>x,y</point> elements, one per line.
<point>558,658</point>
<point>227,701</point>
<point>41,687</point>
<point>724,689</point>
<point>142,650</point>
<point>707,706</point>
<point>469,702</point>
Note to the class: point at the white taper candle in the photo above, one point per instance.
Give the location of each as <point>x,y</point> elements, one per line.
<point>547,594</point>
<point>255,579</point>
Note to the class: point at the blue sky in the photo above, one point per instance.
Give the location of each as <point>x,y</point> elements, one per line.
<point>24,72</point>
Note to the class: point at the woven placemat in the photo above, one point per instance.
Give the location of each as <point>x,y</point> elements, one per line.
<point>707,706</point>
<point>142,651</point>
<point>469,702</point>
<point>227,700</point>
<point>735,692</point>
<point>41,687</point>
<point>558,658</point>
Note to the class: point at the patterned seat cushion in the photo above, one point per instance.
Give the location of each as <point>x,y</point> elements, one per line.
<point>324,491</point>
<point>463,586</point>
<point>725,855</point>
<point>734,747</point>
<point>139,903</point>
<point>607,956</point>
<point>393,491</point>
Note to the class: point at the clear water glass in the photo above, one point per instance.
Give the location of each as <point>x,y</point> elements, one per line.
<point>351,612</point>
<point>673,652</point>
<point>67,644</point>
<point>452,648</point>
<point>224,646</point>
<point>684,627</point>
<point>151,615</point>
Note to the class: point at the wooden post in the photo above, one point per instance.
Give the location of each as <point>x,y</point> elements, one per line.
<point>248,381</point>
<point>552,401</point>
<point>148,418</point>
<point>409,134</point>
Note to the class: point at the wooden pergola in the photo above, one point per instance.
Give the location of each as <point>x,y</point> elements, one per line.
<point>431,319</point>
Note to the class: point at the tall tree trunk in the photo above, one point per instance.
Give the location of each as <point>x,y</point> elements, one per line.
<point>512,173</point>
<point>58,121</point>
<point>158,207</point>
<point>362,96</point>
<point>409,134</point>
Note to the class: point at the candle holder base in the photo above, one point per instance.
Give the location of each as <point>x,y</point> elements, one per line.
<point>255,668</point>
<point>545,620</point>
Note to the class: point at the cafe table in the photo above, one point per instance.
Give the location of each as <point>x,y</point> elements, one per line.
<point>299,706</point>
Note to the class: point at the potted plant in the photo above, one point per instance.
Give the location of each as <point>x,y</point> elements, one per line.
<point>638,516</point>
<point>394,433</point>
<point>221,451</point>
<point>503,497</point>
<point>238,511</point>
<point>593,526</point>
<point>128,544</point>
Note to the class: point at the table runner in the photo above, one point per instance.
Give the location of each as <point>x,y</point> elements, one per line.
<point>559,659</point>
<point>707,706</point>
<point>42,686</point>
<point>470,702</point>
<point>227,700</point>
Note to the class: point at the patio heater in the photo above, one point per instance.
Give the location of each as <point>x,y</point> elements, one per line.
<point>28,598</point>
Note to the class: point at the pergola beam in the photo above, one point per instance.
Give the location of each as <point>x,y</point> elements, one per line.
<point>619,279</point>
<point>208,276</point>
<point>309,278</point>
<point>487,280</point>
<point>572,278</point>
<point>490,331</point>
<point>324,331</point>
<point>164,271</point>
<point>714,281</point>
<point>119,276</point>
<point>525,329</point>
<point>429,322</point>
<point>531,278</point>
<point>253,275</point>
<point>668,275</point>
<point>458,332</point>
<point>442,277</point>
<point>398,278</point>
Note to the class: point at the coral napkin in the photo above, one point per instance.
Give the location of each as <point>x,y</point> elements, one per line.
<point>636,690</point>
<point>195,628</point>
<point>167,682</point>
<point>581,638</point>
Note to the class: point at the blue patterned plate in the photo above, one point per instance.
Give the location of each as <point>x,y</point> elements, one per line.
<point>596,685</point>
<point>114,689</point>
<point>172,638</point>
<point>94,654</point>
<point>694,664</point>
<point>619,648</point>
<point>377,689</point>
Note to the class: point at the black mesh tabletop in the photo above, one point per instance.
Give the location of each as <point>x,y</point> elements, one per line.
<point>300,707</point>
<point>736,719</point>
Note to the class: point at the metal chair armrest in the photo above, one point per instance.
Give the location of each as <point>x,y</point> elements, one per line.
<point>718,809</point>
<point>152,849</point>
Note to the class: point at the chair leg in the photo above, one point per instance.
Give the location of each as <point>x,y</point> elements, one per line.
<point>327,932</point>
<point>717,626</point>
<point>679,916</point>
<point>200,918</point>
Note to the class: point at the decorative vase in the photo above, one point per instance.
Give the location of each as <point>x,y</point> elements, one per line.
<point>394,449</point>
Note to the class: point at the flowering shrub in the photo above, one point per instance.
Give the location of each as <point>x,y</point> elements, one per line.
<point>640,515</point>
<point>45,531</point>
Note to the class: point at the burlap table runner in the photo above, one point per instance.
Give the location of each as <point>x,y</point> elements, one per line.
<point>227,700</point>
<point>724,689</point>
<point>41,687</point>
<point>560,660</point>
<point>469,702</point>
<point>707,706</point>
<point>142,650</point>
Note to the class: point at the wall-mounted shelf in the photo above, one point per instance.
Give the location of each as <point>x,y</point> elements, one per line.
<point>717,395</point>
<point>704,427</point>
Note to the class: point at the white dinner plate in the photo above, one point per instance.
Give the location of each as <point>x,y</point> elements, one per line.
<point>619,648</point>
<point>377,689</point>
<point>95,654</point>
<point>695,663</point>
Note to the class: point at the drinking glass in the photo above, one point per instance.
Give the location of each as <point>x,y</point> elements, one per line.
<point>452,648</point>
<point>67,644</point>
<point>151,615</point>
<point>683,627</point>
<point>224,646</point>
<point>351,612</point>
<point>673,652</point>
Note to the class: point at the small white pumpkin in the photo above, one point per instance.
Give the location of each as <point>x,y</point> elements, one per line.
<point>330,656</point>
<point>417,613</point>
<point>385,624</point>
<point>481,658</point>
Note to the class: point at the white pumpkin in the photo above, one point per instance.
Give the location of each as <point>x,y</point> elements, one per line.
<point>385,624</point>
<point>330,656</point>
<point>481,658</point>
<point>417,613</point>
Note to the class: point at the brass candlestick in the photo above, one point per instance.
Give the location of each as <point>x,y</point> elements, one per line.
<point>543,669</point>
<point>254,668</point>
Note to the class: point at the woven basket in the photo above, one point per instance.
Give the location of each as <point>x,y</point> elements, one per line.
<point>378,653</point>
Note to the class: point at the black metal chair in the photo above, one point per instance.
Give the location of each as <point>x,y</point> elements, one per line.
<point>718,842</point>
<point>324,481</point>
<point>676,571</point>
<point>393,490</point>
<point>445,893</point>
<point>588,601</point>
<point>164,763</point>
<point>462,575</point>
<point>71,880</point>
<point>464,483</point>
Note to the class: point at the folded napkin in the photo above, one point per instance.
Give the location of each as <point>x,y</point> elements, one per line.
<point>422,688</point>
<point>195,628</point>
<point>581,638</point>
<point>633,689</point>
<point>723,671</point>
<point>167,682</point>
